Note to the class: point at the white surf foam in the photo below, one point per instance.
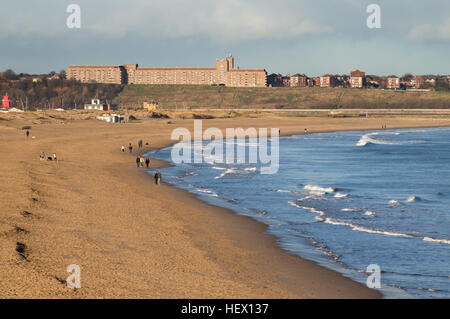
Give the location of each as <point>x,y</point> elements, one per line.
<point>218,168</point>
<point>288,191</point>
<point>331,221</point>
<point>366,230</point>
<point>341,195</point>
<point>413,199</point>
<point>311,209</point>
<point>314,188</point>
<point>394,202</point>
<point>369,139</point>
<point>439,241</point>
<point>227,172</point>
<point>234,171</point>
<point>350,209</point>
<point>207,191</point>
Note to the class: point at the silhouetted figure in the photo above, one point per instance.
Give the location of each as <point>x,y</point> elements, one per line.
<point>138,161</point>
<point>158,177</point>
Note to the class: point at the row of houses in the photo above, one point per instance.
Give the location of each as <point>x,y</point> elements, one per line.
<point>356,79</point>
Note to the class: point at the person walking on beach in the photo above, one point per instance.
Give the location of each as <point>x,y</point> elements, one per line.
<point>138,161</point>
<point>130,147</point>
<point>140,144</point>
<point>147,161</point>
<point>55,157</point>
<point>158,177</point>
<point>142,162</point>
<point>123,149</point>
<point>28,133</point>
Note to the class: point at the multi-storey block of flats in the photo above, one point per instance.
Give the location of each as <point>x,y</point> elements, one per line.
<point>224,74</point>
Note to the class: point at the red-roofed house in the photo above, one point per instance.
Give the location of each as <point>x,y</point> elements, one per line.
<point>357,79</point>
<point>298,80</point>
<point>393,82</point>
<point>327,81</point>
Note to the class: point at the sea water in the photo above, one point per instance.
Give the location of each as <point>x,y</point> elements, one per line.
<point>347,200</point>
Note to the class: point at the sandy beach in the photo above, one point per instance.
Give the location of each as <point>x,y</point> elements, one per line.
<point>131,238</point>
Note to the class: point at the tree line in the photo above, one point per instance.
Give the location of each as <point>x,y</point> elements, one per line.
<point>52,90</point>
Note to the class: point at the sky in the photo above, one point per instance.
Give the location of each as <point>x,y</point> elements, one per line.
<point>284,36</point>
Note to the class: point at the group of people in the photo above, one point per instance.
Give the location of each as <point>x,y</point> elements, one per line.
<point>42,157</point>
<point>130,146</point>
<point>142,160</point>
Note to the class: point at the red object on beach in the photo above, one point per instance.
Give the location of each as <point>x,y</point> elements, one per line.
<point>5,101</point>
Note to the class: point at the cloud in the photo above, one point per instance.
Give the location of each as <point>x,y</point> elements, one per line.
<point>220,21</point>
<point>430,32</point>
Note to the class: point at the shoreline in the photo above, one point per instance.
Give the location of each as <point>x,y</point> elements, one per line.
<point>274,239</point>
<point>135,240</point>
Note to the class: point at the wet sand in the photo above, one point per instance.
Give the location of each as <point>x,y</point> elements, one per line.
<point>131,238</point>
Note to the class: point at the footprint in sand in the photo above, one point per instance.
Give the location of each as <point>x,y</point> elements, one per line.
<point>26,214</point>
<point>22,250</point>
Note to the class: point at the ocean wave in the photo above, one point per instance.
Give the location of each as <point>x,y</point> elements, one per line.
<point>288,191</point>
<point>365,230</point>
<point>320,190</point>
<point>341,195</point>
<point>439,241</point>
<point>350,209</point>
<point>219,168</point>
<point>236,171</point>
<point>413,199</point>
<point>206,191</point>
<point>394,202</point>
<point>369,139</point>
<point>321,218</point>
<point>311,209</point>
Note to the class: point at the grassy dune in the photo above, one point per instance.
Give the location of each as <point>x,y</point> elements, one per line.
<point>192,96</point>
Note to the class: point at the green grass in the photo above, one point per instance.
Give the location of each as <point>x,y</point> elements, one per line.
<point>225,97</point>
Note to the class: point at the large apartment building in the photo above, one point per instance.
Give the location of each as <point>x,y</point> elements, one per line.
<point>225,73</point>
<point>357,79</point>
<point>100,74</point>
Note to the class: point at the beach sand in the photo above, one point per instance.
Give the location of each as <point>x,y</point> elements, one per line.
<point>131,238</point>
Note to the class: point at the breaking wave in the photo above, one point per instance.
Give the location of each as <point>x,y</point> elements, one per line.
<point>236,171</point>
<point>394,202</point>
<point>370,139</point>
<point>413,199</point>
<point>341,195</point>
<point>288,191</point>
<point>318,189</point>
<point>440,241</point>
<point>206,191</point>
<point>322,218</point>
